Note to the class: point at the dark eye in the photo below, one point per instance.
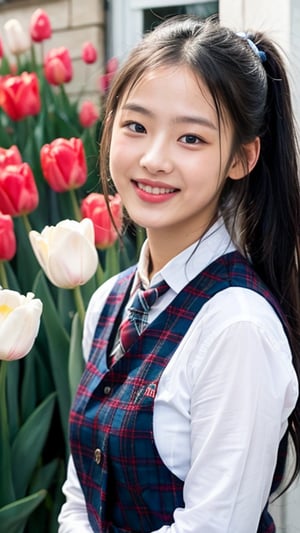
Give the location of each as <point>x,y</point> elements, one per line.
<point>190,139</point>
<point>136,127</point>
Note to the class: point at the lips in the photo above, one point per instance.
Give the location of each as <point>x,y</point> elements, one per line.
<point>154,190</point>
<point>154,193</point>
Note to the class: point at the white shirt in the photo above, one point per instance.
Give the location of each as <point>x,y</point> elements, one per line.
<point>222,402</point>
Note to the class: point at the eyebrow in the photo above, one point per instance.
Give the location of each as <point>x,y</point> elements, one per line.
<point>191,119</point>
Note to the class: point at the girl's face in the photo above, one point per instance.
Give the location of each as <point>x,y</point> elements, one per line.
<point>168,155</point>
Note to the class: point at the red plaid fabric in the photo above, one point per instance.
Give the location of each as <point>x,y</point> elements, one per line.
<point>126,485</point>
<point>138,313</point>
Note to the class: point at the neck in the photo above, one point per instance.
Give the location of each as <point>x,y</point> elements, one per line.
<point>164,247</point>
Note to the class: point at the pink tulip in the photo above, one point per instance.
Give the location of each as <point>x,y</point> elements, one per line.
<point>10,156</point>
<point>8,244</point>
<point>94,207</point>
<point>18,191</point>
<point>40,26</point>
<point>88,114</point>
<point>89,53</point>
<point>58,66</point>
<point>64,164</point>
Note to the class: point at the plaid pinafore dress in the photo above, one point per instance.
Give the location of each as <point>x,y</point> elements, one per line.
<point>127,487</point>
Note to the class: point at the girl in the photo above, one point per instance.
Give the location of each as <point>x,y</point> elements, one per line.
<point>182,427</point>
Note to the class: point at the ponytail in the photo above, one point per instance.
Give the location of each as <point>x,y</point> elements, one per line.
<point>271,207</point>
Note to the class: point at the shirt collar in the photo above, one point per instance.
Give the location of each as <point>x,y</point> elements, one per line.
<point>186,265</point>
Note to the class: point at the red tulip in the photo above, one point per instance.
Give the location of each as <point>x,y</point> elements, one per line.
<point>64,164</point>
<point>8,244</point>
<point>88,114</point>
<point>19,95</point>
<point>18,191</point>
<point>40,26</point>
<point>89,53</point>
<point>10,156</point>
<point>94,207</point>
<point>1,49</point>
<point>58,66</point>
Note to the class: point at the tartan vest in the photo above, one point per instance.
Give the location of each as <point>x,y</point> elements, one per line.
<point>127,487</point>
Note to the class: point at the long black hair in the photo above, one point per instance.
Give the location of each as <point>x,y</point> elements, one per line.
<point>262,210</point>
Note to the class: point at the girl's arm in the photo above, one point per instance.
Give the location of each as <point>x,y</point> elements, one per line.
<point>243,388</point>
<point>73,516</point>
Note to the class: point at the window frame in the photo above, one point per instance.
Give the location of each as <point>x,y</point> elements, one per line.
<point>125,22</point>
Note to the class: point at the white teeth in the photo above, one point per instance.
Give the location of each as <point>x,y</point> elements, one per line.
<point>154,190</point>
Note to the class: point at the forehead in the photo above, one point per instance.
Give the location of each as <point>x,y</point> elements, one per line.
<point>181,82</point>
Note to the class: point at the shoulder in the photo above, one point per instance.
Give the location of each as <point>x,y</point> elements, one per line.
<point>235,325</point>
<point>238,338</point>
<point>237,306</point>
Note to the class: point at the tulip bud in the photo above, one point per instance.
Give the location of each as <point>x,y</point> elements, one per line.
<point>18,191</point>
<point>19,323</point>
<point>66,252</point>
<point>40,26</point>
<point>19,95</point>
<point>88,114</point>
<point>58,66</point>
<point>10,156</point>
<point>95,207</point>
<point>17,40</point>
<point>64,164</point>
<point>106,78</point>
<point>89,53</point>
<point>7,238</point>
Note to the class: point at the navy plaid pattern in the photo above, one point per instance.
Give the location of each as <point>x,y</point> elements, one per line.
<point>138,313</point>
<point>128,488</point>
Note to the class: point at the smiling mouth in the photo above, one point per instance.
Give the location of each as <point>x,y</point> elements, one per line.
<point>154,190</point>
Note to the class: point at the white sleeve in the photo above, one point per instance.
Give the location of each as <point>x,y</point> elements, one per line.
<point>241,396</point>
<point>73,516</point>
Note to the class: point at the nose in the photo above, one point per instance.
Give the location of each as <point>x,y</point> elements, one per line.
<point>157,157</point>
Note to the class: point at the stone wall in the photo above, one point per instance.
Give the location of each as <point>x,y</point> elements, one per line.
<point>73,22</point>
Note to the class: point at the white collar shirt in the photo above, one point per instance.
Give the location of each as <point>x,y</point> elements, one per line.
<point>222,402</point>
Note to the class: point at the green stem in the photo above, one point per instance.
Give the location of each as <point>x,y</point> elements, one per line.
<point>3,276</point>
<point>79,303</point>
<point>140,237</point>
<point>26,223</point>
<point>76,210</point>
<point>33,57</point>
<point>8,495</point>
<point>99,274</point>
<point>112,260</point>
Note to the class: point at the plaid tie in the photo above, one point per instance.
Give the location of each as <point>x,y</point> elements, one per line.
<point>138,312</point>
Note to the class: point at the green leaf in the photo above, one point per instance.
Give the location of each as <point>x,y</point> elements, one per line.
<point>28,444</point>
<point>58,343</point>
<point>58,501</point>
<point>44,476</point>
<point>76,361</point>
<point>26,263</point>
<point>12,389</point>
<point>13,517</point>
<point>28,390</point>
<point>7,494</point>
<point>13,283</point>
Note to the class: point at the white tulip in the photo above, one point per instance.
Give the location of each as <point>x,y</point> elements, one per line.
<point>66,252</point>
<point>17,40</point>
<point>19,323</point>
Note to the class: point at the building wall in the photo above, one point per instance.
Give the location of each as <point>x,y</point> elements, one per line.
<point>281,20</point>
<point>73,22</point>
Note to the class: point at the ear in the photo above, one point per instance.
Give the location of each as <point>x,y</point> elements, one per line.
<point>240,167</point>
